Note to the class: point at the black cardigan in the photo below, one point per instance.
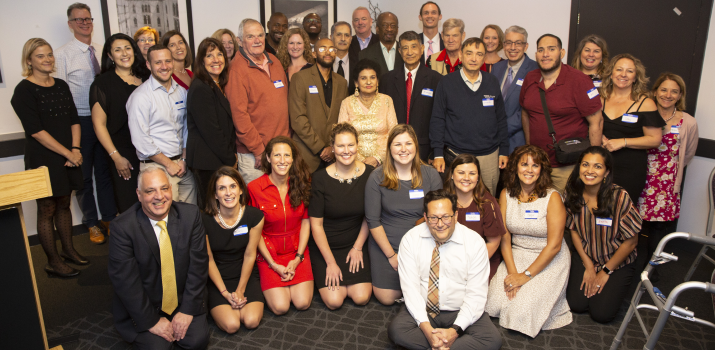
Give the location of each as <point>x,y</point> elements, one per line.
<point>212,137</point>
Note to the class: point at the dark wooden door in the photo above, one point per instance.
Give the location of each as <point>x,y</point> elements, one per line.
<point>667,36</point>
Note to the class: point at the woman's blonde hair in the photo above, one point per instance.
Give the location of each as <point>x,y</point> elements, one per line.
<point>392,180</point>
<point>218,35</point>
<point>27,50</point>
<point>500,35</point>
<point>639,87</point>
<point>282,51</point>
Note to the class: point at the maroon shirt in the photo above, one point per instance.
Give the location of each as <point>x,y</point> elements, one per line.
<point>490,224</point>
<point>568,102</point>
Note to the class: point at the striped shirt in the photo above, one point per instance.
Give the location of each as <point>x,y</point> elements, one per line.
<point>601,240</point>
<point>73,65</point>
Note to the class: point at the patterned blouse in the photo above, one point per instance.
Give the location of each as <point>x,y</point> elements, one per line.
<point>601,237</point>
<point>373,125</point>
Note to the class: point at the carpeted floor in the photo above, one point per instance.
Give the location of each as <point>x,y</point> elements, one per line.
<point>82,305</point>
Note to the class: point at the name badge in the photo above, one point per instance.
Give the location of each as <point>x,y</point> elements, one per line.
<point>520,82</point>
<point>675,129</point>
<point>473,217</point>
<point>597,83</point>
<point>531,214</point>
<point>179,105</point>
<point>278,84</point>
<point>313,89</point>
<point>604,222</point>
<point>488,102</point>
<point>241,230</point>
<point>630,118</point>
<point>592,93</point>
<point>417,194</point>
<point>428,92</point>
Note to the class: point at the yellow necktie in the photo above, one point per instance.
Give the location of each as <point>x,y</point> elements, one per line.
<point>169,300</point>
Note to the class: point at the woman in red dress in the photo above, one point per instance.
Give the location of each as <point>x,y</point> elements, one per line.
<point>283,194</point>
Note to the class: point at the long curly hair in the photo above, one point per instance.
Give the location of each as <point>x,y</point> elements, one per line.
<point>511,179</point>
<point>639,87</point>
<point>298,174</point>
<point>573,193</point>
<point>479,190</point>
<point>282,51</point>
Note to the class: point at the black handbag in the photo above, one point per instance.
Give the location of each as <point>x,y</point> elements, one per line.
<point>567,150</point>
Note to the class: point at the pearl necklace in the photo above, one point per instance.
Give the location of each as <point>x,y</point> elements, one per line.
<point>667,120</point>
<point>240,213</point>
<point>349,180</point>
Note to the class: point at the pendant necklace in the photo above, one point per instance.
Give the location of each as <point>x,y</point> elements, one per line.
<point>349,180</point>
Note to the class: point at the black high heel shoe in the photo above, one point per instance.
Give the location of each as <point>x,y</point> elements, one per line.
<point>52,273</point>
<point>82,260</point>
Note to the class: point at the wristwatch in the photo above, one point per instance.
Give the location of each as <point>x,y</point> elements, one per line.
<point>299,255</point>
<point>459,330</point>
<point>527,273</point>
<point>606,270</point>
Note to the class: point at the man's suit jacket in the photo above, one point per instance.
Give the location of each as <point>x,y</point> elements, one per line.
<point>354,49</point>
<point>135,267</point>
<point>212,137</point>
<point>511,101</point>
<point>394,85</point>
<point>424,59</point>
<point>310,118</point>
<point>374,53</point>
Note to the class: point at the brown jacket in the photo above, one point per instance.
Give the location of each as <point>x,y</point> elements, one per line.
<point>310,118</point>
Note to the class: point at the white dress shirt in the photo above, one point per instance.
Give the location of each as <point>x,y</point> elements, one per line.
<point>157,119</point>
<point>414,75</point>
<point>72,64</point>
<point>435,44</point>
<point>389,56</point>
<point>157,229</point>
<point>473,86</point>
<point>463,273</point>
<point>346,64</point>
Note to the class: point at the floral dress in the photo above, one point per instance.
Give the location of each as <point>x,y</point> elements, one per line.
<point>658,202</point>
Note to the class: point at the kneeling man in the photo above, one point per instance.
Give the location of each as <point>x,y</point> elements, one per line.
<point>158,266</point>
<point>444,270</point>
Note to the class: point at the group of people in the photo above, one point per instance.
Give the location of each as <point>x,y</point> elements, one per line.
<point>417,168</point>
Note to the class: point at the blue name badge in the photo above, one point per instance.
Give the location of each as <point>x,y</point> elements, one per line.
<point>179,105</point>
<point>488,102</point>
<point>241,230</point>
<point>592,93</point>
<point>520,82</point>
<point>427,92</point>
<point>278,84</point>
<point>675,129</point>
<point>629,118</point>
<point>531,214</point>
<point>473,217</point>
<point>597,83</point>
<point>417,194</point>
<point>313,89</point>
<point>604,222</point>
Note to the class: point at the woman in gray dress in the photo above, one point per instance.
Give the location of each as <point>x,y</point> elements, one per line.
<point>393,203</point>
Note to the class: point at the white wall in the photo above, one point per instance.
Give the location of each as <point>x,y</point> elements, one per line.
<point>211,15</point>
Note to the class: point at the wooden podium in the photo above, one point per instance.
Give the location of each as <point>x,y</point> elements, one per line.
<point>22,324</point>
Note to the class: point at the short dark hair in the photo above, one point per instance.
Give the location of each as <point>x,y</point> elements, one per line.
<point>189,55</point>
<point>212,206</point>
<point>157,47</point>
<point>365,64</point>
<point>409,35</point>
<point>200,71</point>
<point>439,10</point>
<point>77,6</point>
<point>550,36</point>
<point>473,41</point>
<point>440,194</point>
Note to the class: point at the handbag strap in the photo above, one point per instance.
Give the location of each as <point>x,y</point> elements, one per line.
<point>552,133</point>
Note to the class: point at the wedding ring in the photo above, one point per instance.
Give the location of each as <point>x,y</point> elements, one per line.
<point>597,286</point>
<point>509,284</point>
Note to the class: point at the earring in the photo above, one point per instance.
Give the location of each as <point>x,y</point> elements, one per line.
<point>357,92</point>
<point>377,89</point>
<point>604,180</point>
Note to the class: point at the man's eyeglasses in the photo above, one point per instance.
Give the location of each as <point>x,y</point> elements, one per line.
<point>312,20</point>
<point>329,49</point>
<point>388,26</point>
<point>83,20</point>
<point>447,219</point>
<point>517,43</point>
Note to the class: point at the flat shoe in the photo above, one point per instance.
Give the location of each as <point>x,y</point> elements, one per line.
<point>51,272</point>
<point>82,260</point>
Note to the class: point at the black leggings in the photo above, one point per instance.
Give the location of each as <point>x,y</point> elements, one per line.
<point>54,212</point>
<point>602,307</point>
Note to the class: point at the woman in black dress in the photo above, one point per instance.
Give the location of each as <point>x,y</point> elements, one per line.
<point>337,220</point>
<point>233,230</point>
<point>48,115</point>
<point>212,137</point>
<point>123,69</point>
<point>631,123</point>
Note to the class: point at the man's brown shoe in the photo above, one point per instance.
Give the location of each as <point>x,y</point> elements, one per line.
<point>105,225</point>
<point>95,235</point>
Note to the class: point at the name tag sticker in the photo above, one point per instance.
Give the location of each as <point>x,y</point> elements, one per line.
<point>531,214</point>
<point>278,84</point>
<point>417,194</point>
<point>473,217</point>
<point>592,93</point>
<point>675,129</point>
<point>488,102</point>
<point>428,92</point>
<point>520,82</point>
<point>604,222</point>
<point>630,118</point>
<point>597,83</point>
<point>313,89</point>
<point>241,230</point>
<point>179,105</point>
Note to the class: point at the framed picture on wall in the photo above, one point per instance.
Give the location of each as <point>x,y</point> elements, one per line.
<point>295,10</point>
<point>126,16</point>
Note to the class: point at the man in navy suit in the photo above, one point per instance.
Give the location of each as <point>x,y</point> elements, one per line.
<point>415,110</point>
<point>517,64</point>
<point>158,266</point>
<point>430,15</point>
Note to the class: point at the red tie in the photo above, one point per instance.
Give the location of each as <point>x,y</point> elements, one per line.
<point>409,94</point>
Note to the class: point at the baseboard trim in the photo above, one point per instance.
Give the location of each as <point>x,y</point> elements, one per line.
<point>76,231</point>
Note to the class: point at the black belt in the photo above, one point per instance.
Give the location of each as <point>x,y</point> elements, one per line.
<point>151,161</point>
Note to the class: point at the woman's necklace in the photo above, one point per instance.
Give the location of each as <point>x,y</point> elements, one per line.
<point>532,197</point>
<point>349,180</point>
<point>460,205</point>
<point>240,213</point>
<point>183,70</point>
<point>129,76</point>
<point>667,120</point>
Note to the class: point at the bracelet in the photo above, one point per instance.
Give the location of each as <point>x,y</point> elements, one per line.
<point>357,249</point>
<point>115,151</point>
<point>183,159</point>
<point>393,255</point>
<point>77,148</point>
<point>626,142</point>
<point>270,266</point>
<point>225,290</point>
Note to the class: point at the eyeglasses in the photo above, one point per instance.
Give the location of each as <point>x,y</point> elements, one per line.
<point>313,20</point>
<point>517,43</point>
<point>146,41</point>
<point>83,20</point>
<point>447,219</point>
<point>388,26</point>
<point>329,49</point>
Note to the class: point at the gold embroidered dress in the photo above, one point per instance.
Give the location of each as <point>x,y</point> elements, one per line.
<point>373,124</point>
